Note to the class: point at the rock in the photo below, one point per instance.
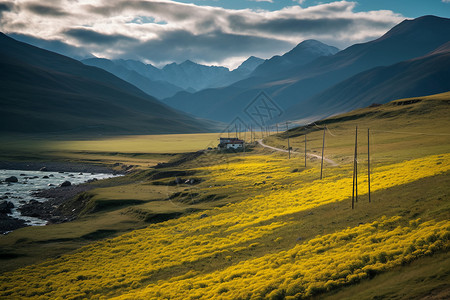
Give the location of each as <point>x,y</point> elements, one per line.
<point>23,174</point>
<point>8,224</point>
<point>5,207</point>
<point>34,177</point>
<point>178,180</point>
<point>203,216</point>
<point>65,183</point>
<point>12,179</point>
<point>45,177</point>
<point>50,184</point>
<point>43,169</point>
<point>3,197</point>
<point>51,175</point>
<point>268,177</point>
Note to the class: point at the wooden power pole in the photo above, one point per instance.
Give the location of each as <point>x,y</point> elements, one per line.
<point>368,160</point>
<point>289,145</point>
<point>305,150</point>
<point>323,148</point>
<point>355,171</point>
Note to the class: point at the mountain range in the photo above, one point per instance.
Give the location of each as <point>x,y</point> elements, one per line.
<point>173,78</point>
<point>44,92</point>
<point>429,74</point>
<point>295,88</point>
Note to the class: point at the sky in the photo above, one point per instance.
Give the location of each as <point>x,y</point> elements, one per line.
<point>211,32</point>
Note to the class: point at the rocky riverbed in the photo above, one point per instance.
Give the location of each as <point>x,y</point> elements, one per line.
<point>33,195</point>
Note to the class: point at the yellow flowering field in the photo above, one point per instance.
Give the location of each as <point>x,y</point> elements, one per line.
<point>322,264</point>
<point>126,265</point>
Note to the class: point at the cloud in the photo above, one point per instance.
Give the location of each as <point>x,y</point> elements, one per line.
<point>446,1</point>
<point>45,10</point>
<point>87,36</point>
<point>180,44</point>
<point>6,6</point>
<point>160,31</point>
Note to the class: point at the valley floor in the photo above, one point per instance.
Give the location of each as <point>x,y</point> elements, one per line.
<point>258,225</point>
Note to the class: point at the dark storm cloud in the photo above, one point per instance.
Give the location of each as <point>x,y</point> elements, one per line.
<point>161,31</point>
<point>214,46</point>
<point>6,6</point>
<point>88,36</point>
<point>175,10</point>
<point>45,10</point>
<point>286,26</point>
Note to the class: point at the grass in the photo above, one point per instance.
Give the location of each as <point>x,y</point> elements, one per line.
<point>397,131</point>
<point>142,151</point>
<point>236,232</point>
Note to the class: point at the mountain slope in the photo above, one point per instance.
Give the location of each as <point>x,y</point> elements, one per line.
<point>414,78</point>
<point>224,103</point>
<point>42,91</point>
<point>158,89</point>
<point>240,73</point>
<point>190,75</point>
<point>303,53</point>
<point>409,39</point>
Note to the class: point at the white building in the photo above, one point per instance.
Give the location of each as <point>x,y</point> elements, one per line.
<point>230,143</point>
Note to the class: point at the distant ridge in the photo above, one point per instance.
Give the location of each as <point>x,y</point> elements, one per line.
<point>429,74</point>
<point>159,89</point>
<point>42,92</point>
<point>303,53</point>
<point>294,87</point>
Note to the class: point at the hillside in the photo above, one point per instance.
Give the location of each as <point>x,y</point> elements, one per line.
<point>302,54</point>
<point>293,86</point>
<point>277,232</point>
<point>422,76</point>
<point>159,89</point>
<point>44,92</point>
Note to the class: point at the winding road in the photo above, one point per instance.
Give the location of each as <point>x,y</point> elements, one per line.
<point>330,161</point>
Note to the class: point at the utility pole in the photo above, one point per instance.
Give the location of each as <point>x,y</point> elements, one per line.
<point>368,160</point>
<point>305,150</point>
<point>355,171</point>
<point>356,165</point>
<point>323,148</point>
<point>245,136</point>
<point>289,145</point>
<point>235,128</point>
<point>277,128</point>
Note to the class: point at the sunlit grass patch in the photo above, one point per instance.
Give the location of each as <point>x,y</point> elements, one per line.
<point>131,261</point>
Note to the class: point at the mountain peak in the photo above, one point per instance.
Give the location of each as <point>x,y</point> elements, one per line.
<point>419,26</point>
<point>188,62</point>
<point>250,64</point>
<point>312,46</point>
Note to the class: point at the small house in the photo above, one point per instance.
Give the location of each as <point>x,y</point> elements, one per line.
<point>230,143</point>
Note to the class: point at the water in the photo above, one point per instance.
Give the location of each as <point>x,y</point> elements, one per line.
<point>21,192</point>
